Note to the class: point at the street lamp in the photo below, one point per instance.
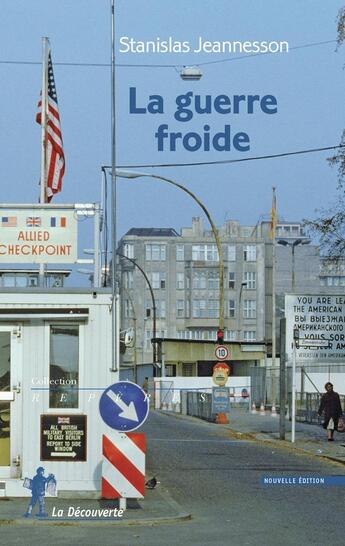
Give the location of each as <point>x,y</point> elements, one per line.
<point>190,73</point>
<point>135,370</point>
<point>88,272</point>
<point>293,245</point>
<point>134,174</point>
<point>154,308</point>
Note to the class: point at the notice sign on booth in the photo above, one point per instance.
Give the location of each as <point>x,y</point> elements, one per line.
<point>38,236</point>
<point>63,437</point>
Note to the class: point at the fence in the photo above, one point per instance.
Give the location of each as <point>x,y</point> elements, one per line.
<point>164,392</point>
<point>310,379</point>
<point>168,391</point>
<point>307,405</point>
<point>264,383</point>
<point>199,404</point>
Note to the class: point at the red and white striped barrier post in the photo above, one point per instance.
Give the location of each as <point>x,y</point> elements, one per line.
<point>123,467</point>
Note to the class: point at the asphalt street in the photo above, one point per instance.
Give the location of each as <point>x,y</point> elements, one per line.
<point>218,480</point>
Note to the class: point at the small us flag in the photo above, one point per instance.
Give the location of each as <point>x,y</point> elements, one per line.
<point>33,221</point>
<point>9,221</point>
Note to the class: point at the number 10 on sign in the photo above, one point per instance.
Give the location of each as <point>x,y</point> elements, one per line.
<point>221,352</point>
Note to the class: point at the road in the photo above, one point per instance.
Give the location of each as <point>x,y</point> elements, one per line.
<point>217,479</point>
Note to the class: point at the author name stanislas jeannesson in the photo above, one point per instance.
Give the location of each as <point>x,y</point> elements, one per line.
<point>128,44</point>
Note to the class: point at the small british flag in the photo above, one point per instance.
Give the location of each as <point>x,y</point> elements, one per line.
<point>33,221</point>
<point>63,420</point>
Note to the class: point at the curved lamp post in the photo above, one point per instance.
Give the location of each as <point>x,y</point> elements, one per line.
<point>134,174</point>
<point>154,309</point>
<point>135,336</point>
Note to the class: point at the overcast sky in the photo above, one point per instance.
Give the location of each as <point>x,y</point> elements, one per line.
<point>307,82</point>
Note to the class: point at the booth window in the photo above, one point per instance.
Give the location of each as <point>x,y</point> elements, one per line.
<point>64,366</point>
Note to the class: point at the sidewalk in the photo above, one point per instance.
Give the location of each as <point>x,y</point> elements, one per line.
<point>157,508</point>
<point>309,438</point>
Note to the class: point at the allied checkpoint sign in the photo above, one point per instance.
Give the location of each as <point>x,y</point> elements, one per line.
<point>320,320</point>
<point>38,235</point>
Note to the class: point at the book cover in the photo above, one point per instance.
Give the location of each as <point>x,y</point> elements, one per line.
<point>201,142</point>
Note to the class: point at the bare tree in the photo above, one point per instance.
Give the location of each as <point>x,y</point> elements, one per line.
<point>330,223</point>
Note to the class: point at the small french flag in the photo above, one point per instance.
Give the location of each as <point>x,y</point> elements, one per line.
<point>58,222</point>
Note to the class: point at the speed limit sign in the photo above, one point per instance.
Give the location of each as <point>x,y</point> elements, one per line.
<point>221,352</point>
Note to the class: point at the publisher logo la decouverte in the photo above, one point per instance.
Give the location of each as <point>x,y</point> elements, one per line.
<point>129,44</point>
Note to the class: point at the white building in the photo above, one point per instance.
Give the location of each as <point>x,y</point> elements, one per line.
<point>55,360</point>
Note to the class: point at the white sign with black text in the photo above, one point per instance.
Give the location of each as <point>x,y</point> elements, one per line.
<point>320,321</point>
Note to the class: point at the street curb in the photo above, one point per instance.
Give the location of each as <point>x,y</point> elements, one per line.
<point>164,520</point>
<point>333,459</point>
<point>186,417</point>
<point>282,444</point>
<point>252,436</point>
<point>150,521</point>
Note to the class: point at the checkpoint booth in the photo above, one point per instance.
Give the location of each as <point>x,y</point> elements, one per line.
<point>55,353</point>
<point>55,361</point>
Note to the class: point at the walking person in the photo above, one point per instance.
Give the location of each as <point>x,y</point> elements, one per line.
<point>331,407</point>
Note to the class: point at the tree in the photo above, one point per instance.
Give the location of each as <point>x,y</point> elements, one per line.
<point>330,224</point>
<point>341,26</point>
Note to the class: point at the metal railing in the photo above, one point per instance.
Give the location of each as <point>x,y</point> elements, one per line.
<point>199,404</point>
<point>307,405</point>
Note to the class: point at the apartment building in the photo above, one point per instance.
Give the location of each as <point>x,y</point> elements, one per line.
<point>183,270</point>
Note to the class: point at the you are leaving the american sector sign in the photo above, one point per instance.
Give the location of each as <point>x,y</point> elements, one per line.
<point>320,320</point>
<point>38,236</point>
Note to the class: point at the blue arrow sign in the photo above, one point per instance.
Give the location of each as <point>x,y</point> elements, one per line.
<point>124,406</point>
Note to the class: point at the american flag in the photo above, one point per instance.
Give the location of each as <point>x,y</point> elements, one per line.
<point>55,159</point>
<point>9,221</point>
<point>33,221</point>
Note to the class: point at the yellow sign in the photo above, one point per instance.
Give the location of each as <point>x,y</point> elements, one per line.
<point>221,372</point>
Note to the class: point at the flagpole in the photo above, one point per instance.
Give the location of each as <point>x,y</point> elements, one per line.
<point>44,104</point>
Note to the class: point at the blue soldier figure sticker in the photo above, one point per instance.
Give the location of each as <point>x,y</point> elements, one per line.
<point>38,485</point>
